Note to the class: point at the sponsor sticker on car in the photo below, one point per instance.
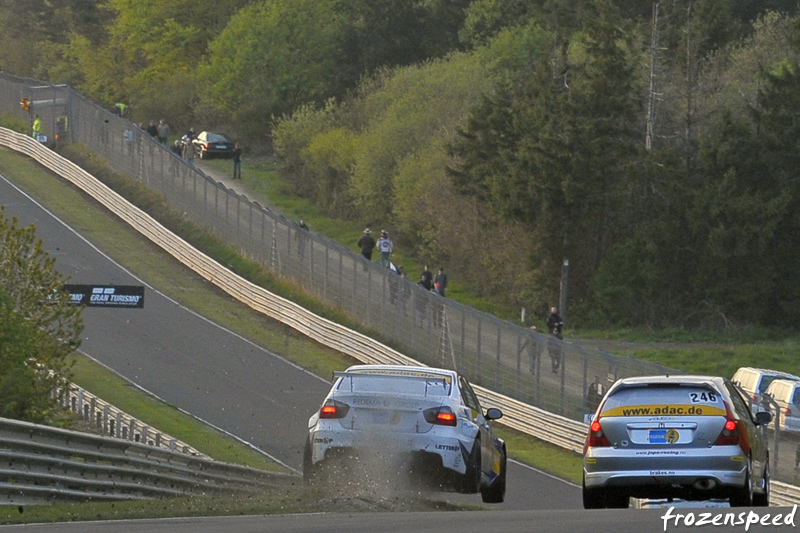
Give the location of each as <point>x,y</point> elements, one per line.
<point>665,410</point>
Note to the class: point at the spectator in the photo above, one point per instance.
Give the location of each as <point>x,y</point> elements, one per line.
<point>301,237</point>
<point>554,345</point>
<point>594,395</point>
<point>152,130</point>
<point>367,244</point>
<point>385,247</point>
<point>440,282</point>
<point>237,163</point>
<point>426,278</point>
<point>188,146</point>
<point>534,347</point>
<point>37,127</point>
<point>163,131</point>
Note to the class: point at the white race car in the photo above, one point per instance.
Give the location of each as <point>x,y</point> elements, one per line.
<point>422,423</point>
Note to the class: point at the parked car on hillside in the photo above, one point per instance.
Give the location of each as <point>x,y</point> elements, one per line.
<point>686,437</point>
<point>756,381</point>
<point>397,423</point>
<point>208,144</point>
<point>786,393</point>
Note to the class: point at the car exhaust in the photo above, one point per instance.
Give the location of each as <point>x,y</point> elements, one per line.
<point>704,484</point>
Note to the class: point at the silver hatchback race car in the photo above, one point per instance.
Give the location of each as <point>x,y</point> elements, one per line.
<point>418,423</point>
<point>687,437</point>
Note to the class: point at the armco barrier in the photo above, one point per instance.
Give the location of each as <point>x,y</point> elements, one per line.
<point>41,464</point>
<point>111,421</point>
<point>533,421</point>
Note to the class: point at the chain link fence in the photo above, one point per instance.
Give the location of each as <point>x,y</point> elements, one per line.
<point>436,331</point>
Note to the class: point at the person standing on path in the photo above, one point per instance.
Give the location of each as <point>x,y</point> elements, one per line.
<point>152,130</point>
<point>188,146</point>
<point>594,395</point>
<point>366,243</point>
<point>237,162</point>
<point>302,238</point>
<point>426,278</point>
<point>163,131</point>
<point>534,347</point>
<point>37,127</point>
<point>440,282</point>
<point>385,247</point>
<point>554,325</point>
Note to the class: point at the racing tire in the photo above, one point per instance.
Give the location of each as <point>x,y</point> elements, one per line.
<point>496,493</point>
<point>617,500</point>
<point>744,497</point>
<point>471,481</point>
<point>761,499</point>
<point>310,471</point>
<point>592,498</point>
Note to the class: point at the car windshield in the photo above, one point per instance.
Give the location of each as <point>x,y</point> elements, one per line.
<point>419,386</point>
<point>216,138</point>
<point>765,381</point>
<point>661,401</point>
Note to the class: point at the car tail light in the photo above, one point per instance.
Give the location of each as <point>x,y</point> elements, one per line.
<point>333,409</point>
<point>730,434</point>
<point>788,411</point>
<point>597,437</point>
<point>441,416</point>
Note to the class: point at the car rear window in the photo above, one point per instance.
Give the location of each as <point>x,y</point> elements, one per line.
<point>664,401</point>
<point>765,381</point>
<point>395,385</point>
<point>214,138</point>
<point>796,396</point>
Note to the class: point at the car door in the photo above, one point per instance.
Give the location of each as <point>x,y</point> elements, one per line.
<point>486,433</point>
<point>756,435</point>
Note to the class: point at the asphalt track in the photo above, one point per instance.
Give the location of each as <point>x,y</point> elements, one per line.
<point>211,372</point>
<point>559,521</point>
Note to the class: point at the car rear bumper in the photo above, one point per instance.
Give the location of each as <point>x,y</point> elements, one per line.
<point>658,471</point>
<point>452,453</point>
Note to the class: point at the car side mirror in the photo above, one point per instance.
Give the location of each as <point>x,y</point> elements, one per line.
<point>493,413</point>
<point>763,418</point>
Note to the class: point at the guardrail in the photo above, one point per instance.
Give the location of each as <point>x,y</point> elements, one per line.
<point>41,464</point>
<point>113,422</point>
<point>531,420</point>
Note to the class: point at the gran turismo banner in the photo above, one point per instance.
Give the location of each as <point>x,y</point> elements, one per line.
<point>106,295</point>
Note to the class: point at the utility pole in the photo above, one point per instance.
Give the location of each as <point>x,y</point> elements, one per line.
<point>652,94</point>
<point>562,299</point>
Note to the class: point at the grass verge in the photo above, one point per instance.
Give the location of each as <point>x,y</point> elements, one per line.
<point>278,500</point>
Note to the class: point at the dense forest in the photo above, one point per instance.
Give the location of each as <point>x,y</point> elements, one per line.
<point>654,144</point>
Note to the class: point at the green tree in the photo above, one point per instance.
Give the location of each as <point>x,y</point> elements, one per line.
<point>555,152</point>
<point>39,329</point>
<point>388,33</point>
<point>32,31</point>
<point>272,57</point>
